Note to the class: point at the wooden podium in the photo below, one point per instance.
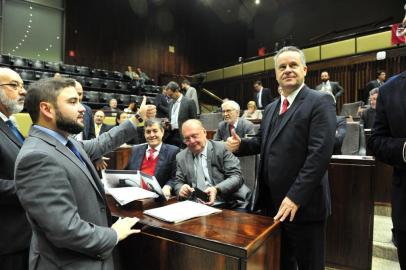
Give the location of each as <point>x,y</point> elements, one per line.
<point>226,240</point>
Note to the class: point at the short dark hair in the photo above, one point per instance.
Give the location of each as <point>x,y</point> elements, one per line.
<point>153,121</point>
<point>46,90</point>
<point>258,82</point>
<point>173,86</point>
<point>379,72</point>
<point>118,116</point>
<point>185,81</point>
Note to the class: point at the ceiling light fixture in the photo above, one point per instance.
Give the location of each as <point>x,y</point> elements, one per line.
<point>257,2</point>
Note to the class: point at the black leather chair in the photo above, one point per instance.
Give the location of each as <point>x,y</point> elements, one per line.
<point>94,83</point>
<point>4,60</point>
<point>82,70</point>
<point>105,97</point>
<point>37,64</point>
<point>26,74</point>
<point>123,99</point>
<point>91,96</point>
<point>18,62</point>
<point>45,74</point>
<point>117,75</point>
<point>70,69</point>
<point>51,66</point>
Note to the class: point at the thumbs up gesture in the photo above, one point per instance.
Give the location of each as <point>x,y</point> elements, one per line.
<point>233,142</point>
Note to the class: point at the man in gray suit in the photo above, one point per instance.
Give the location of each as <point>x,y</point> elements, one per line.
<point>181,109</point>
<point>190,92</point>
<point>231,112</point>
<point>15,231</point>
<point>330,87</point>
<point>209,166</point>
<point>58,186</point>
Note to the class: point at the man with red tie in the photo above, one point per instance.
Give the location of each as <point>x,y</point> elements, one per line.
<point>231,113</point>
<point>155,158</point>
<point>295,140</point>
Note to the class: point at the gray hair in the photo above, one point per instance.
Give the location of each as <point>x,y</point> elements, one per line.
<point>154,121</point>
<point>374,91</point>
<point>290,49</point>
<point>233,104</point>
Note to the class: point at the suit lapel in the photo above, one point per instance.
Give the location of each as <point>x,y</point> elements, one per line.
<point>139,156</point>
<point>209,158</point>
<point>289,113</point>
<point>9,133</point>
<point>267,125</point>
<point>191,167</point>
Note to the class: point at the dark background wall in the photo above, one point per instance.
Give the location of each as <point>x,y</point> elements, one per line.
<point>207,33</point>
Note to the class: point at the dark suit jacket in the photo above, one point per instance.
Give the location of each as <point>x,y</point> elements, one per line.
<point>15,231</point>
<point>65,202</point>
<point>364,93</point>
<point>387,141</point>
<point>187,110</point>
<point>104,128</point>
<point>341,130</point>
<point>336,89</point>
<point>88,131</point>
<point>368,117</point>
<point>165,171</point>
<point>244,127</point>
<point>266,97</point>
<point>224,170</point>
<point>162,106</point>
<point>300,151</point>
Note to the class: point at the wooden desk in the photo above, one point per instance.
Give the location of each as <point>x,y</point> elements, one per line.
<point>118,158</point>
<point>227,240</point>
<point>350,227</point>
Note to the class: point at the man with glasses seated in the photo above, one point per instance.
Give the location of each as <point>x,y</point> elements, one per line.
<point>209,167</point>
<point>15,231</point>
<point>231,112</point>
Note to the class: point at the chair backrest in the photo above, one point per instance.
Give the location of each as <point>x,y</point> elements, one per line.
<point>210,121</point>
<point>249,169</point>
<point>351,109</point>
<point>354,140</point>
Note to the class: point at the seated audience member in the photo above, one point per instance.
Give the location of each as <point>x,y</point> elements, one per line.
<point>154,157</point>
<point>99,126</point>
<point>368,115</point>
<point>112,106</point>
<point>131,109</point>
<point>341,130</point>
<point>130,73</point>
<point>252,112</point>
<point>209,166</point>
<point>121,117</point>
<point>231,112</point>
<point>142,75</point>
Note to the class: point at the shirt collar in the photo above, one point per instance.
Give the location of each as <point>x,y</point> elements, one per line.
<point>236,123</point>
<point>53,134</point>
<point>179,98</point>
<point>4,117</point>
<point>204,151</point>
<point>157,149</point>
<point>292,96</point>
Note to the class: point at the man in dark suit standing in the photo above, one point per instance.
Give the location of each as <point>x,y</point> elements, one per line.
<point>388,143</point>
<point>88,130</point>
<point>162,104</point>
<point>295,140</point>
<point>231,112</point>
<point>330,87</point>
<point>264,96</point>
<point>154,157</point>
<point>378,82</point>
<point>181,109</point>
<point>15,231</point>
<point>58,186</point>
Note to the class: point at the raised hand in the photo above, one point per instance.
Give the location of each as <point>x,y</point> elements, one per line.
<point>233,142</point>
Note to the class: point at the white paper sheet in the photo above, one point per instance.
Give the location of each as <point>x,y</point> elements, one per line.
<point>126,195</point>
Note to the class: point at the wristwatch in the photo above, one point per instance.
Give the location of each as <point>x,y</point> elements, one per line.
<point>139,118</point>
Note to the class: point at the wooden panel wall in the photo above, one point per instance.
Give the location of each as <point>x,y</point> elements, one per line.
<point>353,73</point>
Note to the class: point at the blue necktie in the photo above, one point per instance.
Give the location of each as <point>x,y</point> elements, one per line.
<point>17,133</point>
<point>74,150</point>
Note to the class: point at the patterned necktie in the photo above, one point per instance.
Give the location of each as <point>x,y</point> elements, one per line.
<point>74,150</point>
<point>200,178</point>
<point>16,132</point>
<point>231,127</point>
<point>285,105</point>
<point>151,154</point>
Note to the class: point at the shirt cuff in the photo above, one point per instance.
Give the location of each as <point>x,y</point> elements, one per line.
<point>404,152</point>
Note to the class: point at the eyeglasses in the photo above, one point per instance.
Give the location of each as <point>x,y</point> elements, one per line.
<point>16,86</point>
<point>193,136</point>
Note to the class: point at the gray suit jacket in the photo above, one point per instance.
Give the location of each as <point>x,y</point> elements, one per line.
<point>243,128</point>
<point>224,171</point>
<point>64,200</point>
<point>191,93</point>
<point>336,88</point>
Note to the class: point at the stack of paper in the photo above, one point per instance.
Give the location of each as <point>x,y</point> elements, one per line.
<point>126,195</point>
<point>181,211</point>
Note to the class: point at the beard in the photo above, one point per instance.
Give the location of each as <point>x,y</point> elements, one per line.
<point>68,125</point>
<point>12,106</point>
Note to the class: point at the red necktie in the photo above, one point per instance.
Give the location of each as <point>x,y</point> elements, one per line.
<point>231,127</point>
<point>285,105</point>
<point>151,154</point>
